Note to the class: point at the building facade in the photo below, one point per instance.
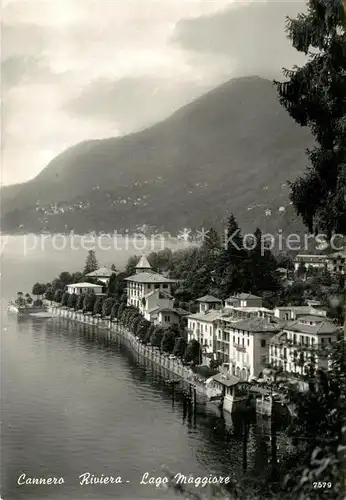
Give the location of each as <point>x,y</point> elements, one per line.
<point>145,281</point>
<point>303,343</point>
<point>203,324</point>
<point>244,344</point>
<point>336,262</point>
<point>83,288</point>
<point>291,313</point>
<point>316,261</point>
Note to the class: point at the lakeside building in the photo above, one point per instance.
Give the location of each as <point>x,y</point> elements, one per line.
<point>141,284</point>
<point>83,288</point>
<point>244,344</point>
<point>244,300</point>
<point>336,262</point>
<point>159,309</point>
<point>103,274</point>
<point>290,313</point>
<point>296,346</point>
<point>202,325</point>
<point>316,261</point>
<point>209,302</point>
<point>167,316</point>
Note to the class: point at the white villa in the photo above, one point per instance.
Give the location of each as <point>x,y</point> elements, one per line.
<point>145,281</point>
<point>336,262</point>
<point>80,288</point>
<point>103,274</point>
<point>290,313</point>
<point>293,347</point>
<point>316,261</point>
<point>166,316</point>
<point>202,325</point>
<point>244,344</point>
<point>244,300</point>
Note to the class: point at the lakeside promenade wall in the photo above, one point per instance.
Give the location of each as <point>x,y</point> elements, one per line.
<point>117,331</point>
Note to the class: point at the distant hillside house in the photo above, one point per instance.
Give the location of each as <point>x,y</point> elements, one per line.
<point>336,262</point>
<point>290,313</point>
<point>103,274</point>
<point>143,282</point>
<point>209,302</point>
<point>83,288</point>
<point>314,261</point>
<point>295,347</point>
<point>244,300</point>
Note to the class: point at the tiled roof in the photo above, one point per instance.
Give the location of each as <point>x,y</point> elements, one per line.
<point>103,272</point>
<point>209,317</point>
<point>147,277</point>
<point>160,293</point>
<point>278,338</point>
<point>256,325</point>
<point>323,327</point>
<point>209,298</point>
<point>301,309</point>
<point>159,309</point>
<point>84,285</point>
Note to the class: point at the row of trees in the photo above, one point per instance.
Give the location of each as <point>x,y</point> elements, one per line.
<point>170,340</point>
<point>222,270</point>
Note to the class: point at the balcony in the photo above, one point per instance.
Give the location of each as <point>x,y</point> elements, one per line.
<point>240,348</point>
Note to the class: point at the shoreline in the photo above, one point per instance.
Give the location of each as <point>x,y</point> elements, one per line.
<point>195,391</point>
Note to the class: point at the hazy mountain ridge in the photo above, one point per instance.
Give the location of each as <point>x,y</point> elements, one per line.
<point>231,150</point>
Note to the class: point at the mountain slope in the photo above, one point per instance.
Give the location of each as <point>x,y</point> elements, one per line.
<point>230,150</point>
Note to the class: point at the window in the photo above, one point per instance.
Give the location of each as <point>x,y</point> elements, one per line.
<point>248,342</point>
<point>330,340</point>
<point>263,343</point>
<point>294,338</point>
<point>243,340</point>
<point>165,285</point>
<point>167,319</point>
<point>156,286</point>
<point>322,341</point>
<point>233,339</point>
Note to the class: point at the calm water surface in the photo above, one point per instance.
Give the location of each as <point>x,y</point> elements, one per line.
<point>71,404</point>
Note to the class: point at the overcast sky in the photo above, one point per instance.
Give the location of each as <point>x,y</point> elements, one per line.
<point>83,69</point>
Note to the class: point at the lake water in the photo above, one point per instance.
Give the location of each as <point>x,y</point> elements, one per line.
<point>72,404</point>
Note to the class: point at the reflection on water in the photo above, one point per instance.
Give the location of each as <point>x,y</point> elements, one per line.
<point>72,402</point>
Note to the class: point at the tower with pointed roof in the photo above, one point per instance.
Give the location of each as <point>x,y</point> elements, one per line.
<point>143,265</point>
